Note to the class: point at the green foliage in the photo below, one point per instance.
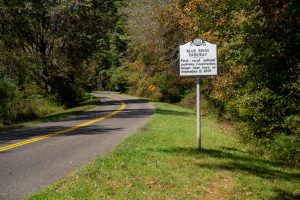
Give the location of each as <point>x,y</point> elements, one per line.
<point>20,109</point>
<point>258,83</point>
<point>286,148</point>
<point>189,99</point>
<point>7,94</point>
<point>17,106</point>
<point>89,100</point>
<point>293,123</point>
<point>258,53</point>
<point>262,111</point>
<point>118,80</point>
<point>59,36</point>
<point>61,47</point>
<point>169,87</point>
<point>69,93</point>
<point>29,109</point>
<point>110,53</point>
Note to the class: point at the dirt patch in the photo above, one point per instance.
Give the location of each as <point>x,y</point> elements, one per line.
<point>220,187</point>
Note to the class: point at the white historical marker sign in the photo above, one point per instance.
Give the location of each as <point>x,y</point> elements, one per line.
<point>198,58</point>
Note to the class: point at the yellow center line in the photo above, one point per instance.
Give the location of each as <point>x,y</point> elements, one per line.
<point>36,139</point>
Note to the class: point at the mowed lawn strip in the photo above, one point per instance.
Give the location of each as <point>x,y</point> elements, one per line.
<point>161,162</point>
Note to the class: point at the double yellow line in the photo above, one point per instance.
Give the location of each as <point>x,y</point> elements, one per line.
<point>36,139</point>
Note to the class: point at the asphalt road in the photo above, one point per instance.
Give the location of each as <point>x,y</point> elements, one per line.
<point>25,169</point>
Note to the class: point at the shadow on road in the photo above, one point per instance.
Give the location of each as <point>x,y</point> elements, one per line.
<point>5,139</point>
<point>108,101</point>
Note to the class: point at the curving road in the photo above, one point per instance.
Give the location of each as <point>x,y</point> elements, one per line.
<point>36,156</point>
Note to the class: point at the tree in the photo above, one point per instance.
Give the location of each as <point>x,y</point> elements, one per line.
<point>258,84</point>
<point>258,53</point>
<point>60,37</point>
<point>153,48</point>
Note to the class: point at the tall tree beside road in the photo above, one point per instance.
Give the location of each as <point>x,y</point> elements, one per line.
<point>153,49</point>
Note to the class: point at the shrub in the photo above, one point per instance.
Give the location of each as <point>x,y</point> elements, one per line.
<point>7,93</point>
<point>118,80</point>
<point>69,93</point>
<point>263,112</point>
<point>270,122</point>
<point>28,109</point>
<point>19,110</point>
<point>285,148</point>
<point>189,100</point>
<point>43,107</point>
<point>28,104</point>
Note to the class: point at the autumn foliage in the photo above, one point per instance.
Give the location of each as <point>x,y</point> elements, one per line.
<point>258,84</point>
<point>54,51</point>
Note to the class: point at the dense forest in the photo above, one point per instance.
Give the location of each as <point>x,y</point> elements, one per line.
<point>51,52</point>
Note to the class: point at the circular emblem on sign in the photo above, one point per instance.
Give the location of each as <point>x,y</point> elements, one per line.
<point>197,42</point>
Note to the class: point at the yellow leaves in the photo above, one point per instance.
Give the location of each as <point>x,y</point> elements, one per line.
<point>223,83</point>
<point>239,18</point>
<point>193,5</point>
<point>218,95</point>
<point>188,22</point>
<point>211,36</point>
<point>137,66</point>
<point>167,11</point>
<point>188,17</point>
<point>135,71</point>
<point>222,20</point>
<point>236,70</point>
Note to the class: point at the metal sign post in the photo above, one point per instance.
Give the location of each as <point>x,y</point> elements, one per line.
<point>198,58</point>
<point>198,114</point>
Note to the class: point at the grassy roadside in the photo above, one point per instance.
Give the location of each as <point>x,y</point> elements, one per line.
<point>88,103</point>
<point>161,163</point>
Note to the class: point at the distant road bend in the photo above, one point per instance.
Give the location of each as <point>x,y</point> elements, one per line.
<point>36,156</point>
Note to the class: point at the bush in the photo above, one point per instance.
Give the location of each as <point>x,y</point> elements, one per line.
<point>270,122</point>
<point>7,94</point>
<point>17,106</point>
<point>285,148</point>
<point>28,109</point>
<point>118,79</point>
<point>282,148</point>
<point>69,93</point>
<point>189,100</point>
<point>169,87</point>
<point>44,107</point>
<point>19,110</point>
<point>263,112</point>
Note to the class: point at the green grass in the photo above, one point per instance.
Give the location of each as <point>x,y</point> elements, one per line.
<point>161,162</point>
<point>88,103</point>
